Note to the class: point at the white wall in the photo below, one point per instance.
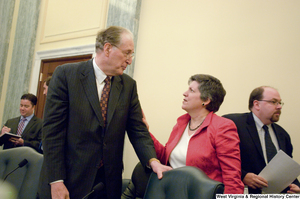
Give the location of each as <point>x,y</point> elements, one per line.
<point>60,27</point>
<point>245,44</point>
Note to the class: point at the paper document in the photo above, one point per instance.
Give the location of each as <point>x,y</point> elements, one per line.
<point>281,171</point>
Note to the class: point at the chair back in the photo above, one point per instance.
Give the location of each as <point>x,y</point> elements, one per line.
<point>183,183</point>
<point>24,179</point>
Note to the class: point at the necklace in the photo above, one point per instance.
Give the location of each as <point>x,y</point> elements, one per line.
<point>196,127</point>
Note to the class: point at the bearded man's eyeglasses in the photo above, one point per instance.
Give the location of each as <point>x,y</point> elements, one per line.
<point>274,102</point>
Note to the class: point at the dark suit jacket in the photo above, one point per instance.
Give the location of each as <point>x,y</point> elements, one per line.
<point>73,127</point>
<point>251,151</point>
<point>32,134</point>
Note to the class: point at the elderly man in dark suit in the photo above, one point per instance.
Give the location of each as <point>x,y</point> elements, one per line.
<point>89,107</point>
<point>28,126</point>
<point>254,129</point>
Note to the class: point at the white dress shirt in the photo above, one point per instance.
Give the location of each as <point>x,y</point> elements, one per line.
<point>261,134</point>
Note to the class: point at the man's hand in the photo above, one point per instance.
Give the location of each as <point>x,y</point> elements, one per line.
<point>59,191</point>
<point>17,141</point>
<point>159,168</point>
<point>293,189</point>
<point>254,181</point>
<point>5,129</point>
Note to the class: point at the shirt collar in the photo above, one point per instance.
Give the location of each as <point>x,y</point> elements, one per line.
<point>100,75</point>
<point>258,122</point>
<point>28,118</point>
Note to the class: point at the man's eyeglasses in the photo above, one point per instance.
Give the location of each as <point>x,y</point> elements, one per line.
<point>128,54</point>
<point>274,102</point>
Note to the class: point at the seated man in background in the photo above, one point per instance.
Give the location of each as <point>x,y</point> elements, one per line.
<point>255,129</point>
<point>28,126</point>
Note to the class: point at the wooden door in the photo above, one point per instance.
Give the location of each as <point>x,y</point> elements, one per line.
<point>47,68</point>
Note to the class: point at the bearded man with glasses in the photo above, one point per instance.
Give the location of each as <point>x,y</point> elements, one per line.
<point>261,137</point>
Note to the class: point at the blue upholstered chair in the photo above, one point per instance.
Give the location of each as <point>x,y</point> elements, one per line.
<point>24,179</point>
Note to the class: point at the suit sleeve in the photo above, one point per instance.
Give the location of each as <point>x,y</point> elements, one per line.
<point>13,125</point>
<point>159,149</point>
<point>55,126</point>
<point>228,152</point>
<point>1,142</point>
<point>137,130</point>
<point>235,120</point>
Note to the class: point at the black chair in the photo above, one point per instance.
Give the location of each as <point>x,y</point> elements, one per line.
<point>183,183</point>
<point>26,178</point>
<point>136,187</point>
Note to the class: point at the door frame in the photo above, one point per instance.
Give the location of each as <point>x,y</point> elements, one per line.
<point>56,53</point>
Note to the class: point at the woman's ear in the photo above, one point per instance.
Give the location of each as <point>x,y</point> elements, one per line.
<point>206,102</point>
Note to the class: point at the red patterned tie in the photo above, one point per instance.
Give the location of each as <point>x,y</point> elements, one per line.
<point>21,126</point>
<point>104,99</point>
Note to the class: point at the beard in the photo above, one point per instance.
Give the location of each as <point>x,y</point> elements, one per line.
<point>275,116</point>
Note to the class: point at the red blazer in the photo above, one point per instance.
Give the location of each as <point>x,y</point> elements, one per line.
<point>214,148</point>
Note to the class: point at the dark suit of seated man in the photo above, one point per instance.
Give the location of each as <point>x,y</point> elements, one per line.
<point>265,106</point>
<point>28,126</point>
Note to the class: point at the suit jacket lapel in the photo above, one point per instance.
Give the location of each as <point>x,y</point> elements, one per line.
<point>280,138</point>
<point>251,127</point>
<point>116,88</point>
<point>88,81</point>
<point>29,125</point>
<point>15,125</point>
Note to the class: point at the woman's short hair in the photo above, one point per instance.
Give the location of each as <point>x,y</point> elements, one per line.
<point>110,35</point>
<point>210,88</point>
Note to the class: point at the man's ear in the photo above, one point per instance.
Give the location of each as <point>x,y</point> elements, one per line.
<point>256,105</point>
<point>107,49</point>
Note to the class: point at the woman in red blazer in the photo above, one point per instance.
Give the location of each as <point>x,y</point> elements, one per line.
<point>202,139</point>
